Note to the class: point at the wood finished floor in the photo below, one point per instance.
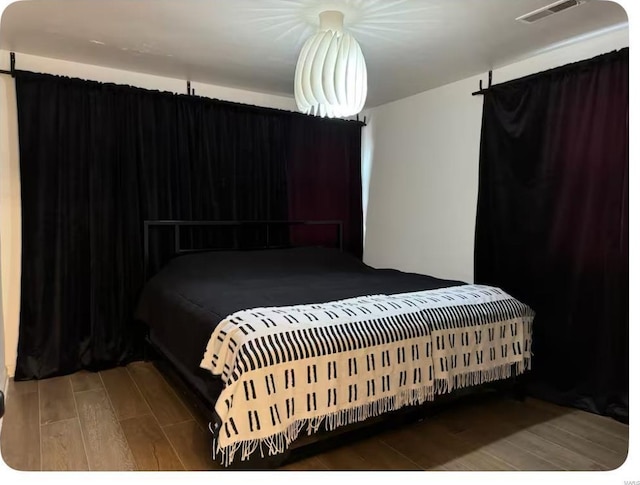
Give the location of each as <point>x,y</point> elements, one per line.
<point>129,418</point>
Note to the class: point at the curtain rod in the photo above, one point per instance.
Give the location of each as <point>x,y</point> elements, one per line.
<point>624,51</point>
<point>190,91</point>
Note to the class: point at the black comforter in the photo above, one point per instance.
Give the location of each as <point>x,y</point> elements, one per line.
<point>184,302</point>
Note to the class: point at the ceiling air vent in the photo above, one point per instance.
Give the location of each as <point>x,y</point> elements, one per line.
<point>551,9</point>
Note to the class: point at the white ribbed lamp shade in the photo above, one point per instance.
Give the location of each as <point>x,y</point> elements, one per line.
<point>331,75</point>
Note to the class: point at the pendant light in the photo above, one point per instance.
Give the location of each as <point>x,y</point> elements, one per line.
<point>331,74</point>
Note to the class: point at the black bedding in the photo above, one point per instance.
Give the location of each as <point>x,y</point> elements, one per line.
<point>184,302</point>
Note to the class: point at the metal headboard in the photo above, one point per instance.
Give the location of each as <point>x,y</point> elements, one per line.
<point>177,224</point>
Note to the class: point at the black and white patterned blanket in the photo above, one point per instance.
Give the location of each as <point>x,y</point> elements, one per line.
<point>289,369</point>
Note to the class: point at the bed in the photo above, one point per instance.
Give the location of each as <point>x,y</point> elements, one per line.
<point>282,343</point>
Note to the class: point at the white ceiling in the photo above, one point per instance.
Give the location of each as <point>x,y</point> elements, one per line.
<point>409,45</point>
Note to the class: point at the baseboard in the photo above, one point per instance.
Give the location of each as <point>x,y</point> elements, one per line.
<point>11,370</point>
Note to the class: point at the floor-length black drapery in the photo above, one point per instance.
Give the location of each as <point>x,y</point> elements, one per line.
<point>96,161</point>
<point>552,223</point>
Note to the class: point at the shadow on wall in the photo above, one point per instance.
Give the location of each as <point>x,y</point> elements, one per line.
<point>367,148</point>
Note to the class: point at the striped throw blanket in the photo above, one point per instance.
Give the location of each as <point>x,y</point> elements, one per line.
<point>293,369</point>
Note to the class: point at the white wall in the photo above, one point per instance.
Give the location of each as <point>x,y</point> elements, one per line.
<point>423,167</point>
<point>10,217</point>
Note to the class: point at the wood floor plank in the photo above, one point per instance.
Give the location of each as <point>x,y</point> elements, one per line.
<point>85,381</point>
<point>432,446</point>
<point>573,421</point>
<point>496,437</point>
<point>607,458</point>
<point>488,434</point>
<point>56,400</point>
<point>106,445</point>
<point>604,424</point>
<point>23,387</point>
<point>455,422</point>
<point>445,468</point>
<point>519,458</point>
<point>381,456</point>
<point>164,403</point>
<point>482,424</point>
<point>472,456</point>
<point>604,431</point>
<point>193,445</point>
<point>199,417</point>
<point>344,458</point>
<point>428,454</point>
<point>150,447</point>
<point>196,413</point>
<point>125,396</point>
<point>308,464</point>
<point>62,446</point>
<point>552,452</point>
<point>410,445</point>
<point>20,439</point>
<point>537,425</point>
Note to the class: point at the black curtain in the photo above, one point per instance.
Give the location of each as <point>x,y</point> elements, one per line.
<point>96,161</point>
<point>325,182</point>
<point>552,224</point>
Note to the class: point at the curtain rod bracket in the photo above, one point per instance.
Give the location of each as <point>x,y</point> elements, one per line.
<point>481,90</point>
<point>12,64</point>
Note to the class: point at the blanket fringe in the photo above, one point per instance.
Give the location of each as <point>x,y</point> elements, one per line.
<point>279,442</point>
<point>458,381</point>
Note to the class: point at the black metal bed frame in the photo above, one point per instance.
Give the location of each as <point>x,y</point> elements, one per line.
<point>178,224</point>
<point>323,440</point>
